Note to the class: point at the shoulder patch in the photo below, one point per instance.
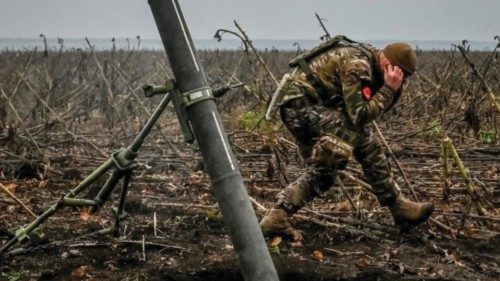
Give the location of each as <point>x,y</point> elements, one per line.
<point>367,92</point>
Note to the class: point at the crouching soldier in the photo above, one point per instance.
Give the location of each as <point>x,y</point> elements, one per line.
<point>327,103</point>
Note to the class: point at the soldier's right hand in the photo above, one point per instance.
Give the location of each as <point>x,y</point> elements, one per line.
<point>393,76</point>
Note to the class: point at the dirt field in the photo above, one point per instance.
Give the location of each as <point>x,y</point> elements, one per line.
<point>74,113</point>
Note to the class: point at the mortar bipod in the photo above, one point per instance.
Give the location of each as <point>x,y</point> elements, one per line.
<point>122,163</point>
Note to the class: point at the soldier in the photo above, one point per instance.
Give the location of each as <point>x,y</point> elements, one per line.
<point>328,103</point>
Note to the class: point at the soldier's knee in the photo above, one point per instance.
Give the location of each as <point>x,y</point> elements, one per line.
<point>331,151</point>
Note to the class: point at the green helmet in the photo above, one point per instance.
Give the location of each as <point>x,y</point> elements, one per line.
<point>402,55</point>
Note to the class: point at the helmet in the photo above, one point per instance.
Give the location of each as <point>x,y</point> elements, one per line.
<point>402,55</point>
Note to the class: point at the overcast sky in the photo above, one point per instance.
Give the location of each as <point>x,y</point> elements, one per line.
<point>263,19</point>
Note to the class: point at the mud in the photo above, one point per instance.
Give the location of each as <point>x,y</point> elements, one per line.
<point>191,241</point>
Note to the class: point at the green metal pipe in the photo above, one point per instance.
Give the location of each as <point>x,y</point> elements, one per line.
<point>139,140</point>
<point>77,202</point>
<point>107,189</point>
<point>101,170</point>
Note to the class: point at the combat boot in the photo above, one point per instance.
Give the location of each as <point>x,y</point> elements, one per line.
<point>407,213</point>
<point>276,222</point>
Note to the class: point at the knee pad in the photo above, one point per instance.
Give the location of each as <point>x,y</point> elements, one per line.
<point>330,151</point>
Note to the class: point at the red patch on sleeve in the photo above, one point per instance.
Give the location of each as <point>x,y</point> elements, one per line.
<point>367,93</point>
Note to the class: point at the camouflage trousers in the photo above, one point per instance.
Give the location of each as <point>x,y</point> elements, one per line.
<point>328,143</point>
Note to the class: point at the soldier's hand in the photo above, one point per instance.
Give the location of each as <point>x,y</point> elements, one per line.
<point>393,76</point>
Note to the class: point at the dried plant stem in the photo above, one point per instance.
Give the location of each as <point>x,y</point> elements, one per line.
<point>187,206</point>
<point>108,87</point>
<point>489,92</point>
<point>356,180</point>
<point>148,112</point>
<point>327,34</point>
<point>273,136</point>
<point>391,153</point>
<point>154,224</point>
<point>341,184</point>
<point>364,232</point>
<point>254,51</point>
<point>58,118</point>
<point>17,200</point>
<point>143,248</point>
<point>152,244</point>
<point>257,204</point>
<point>414,195</point>
<point>21,121</point>
<point>450,151</point>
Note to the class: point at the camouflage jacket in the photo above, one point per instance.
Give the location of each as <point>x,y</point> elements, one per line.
<point>347,73</point>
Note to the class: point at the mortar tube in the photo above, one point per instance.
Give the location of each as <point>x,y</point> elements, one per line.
<point>227,183</point>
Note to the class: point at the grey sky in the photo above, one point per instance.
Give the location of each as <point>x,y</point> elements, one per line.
<point>272,19</point>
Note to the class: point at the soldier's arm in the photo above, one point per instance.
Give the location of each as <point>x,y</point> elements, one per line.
<point>354,78</point>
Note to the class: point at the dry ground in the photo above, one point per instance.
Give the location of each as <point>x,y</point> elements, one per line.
<point>104,107</point>
<point>190,241</point>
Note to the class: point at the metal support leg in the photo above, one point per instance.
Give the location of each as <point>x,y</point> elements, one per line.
<point>123,161</point>
<point>121,202</point>
<point>107,189</point>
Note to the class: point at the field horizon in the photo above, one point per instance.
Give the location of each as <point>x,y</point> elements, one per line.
<point>228,43</point>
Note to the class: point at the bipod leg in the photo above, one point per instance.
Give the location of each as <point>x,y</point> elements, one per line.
<point>122,160</point>
<point>8,245</point>
<point>67,200</point>
<point>97,173</point>
<point>121,202</point>
<point>107,189</point>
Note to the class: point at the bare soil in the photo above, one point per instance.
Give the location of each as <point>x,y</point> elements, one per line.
<point>191,243</point>
<point>78,106</point>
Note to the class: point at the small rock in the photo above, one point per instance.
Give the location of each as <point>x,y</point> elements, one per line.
<point>11,209</point>
<point>75,253</point>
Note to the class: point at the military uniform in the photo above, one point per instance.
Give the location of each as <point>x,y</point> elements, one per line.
<point>328,106</point>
